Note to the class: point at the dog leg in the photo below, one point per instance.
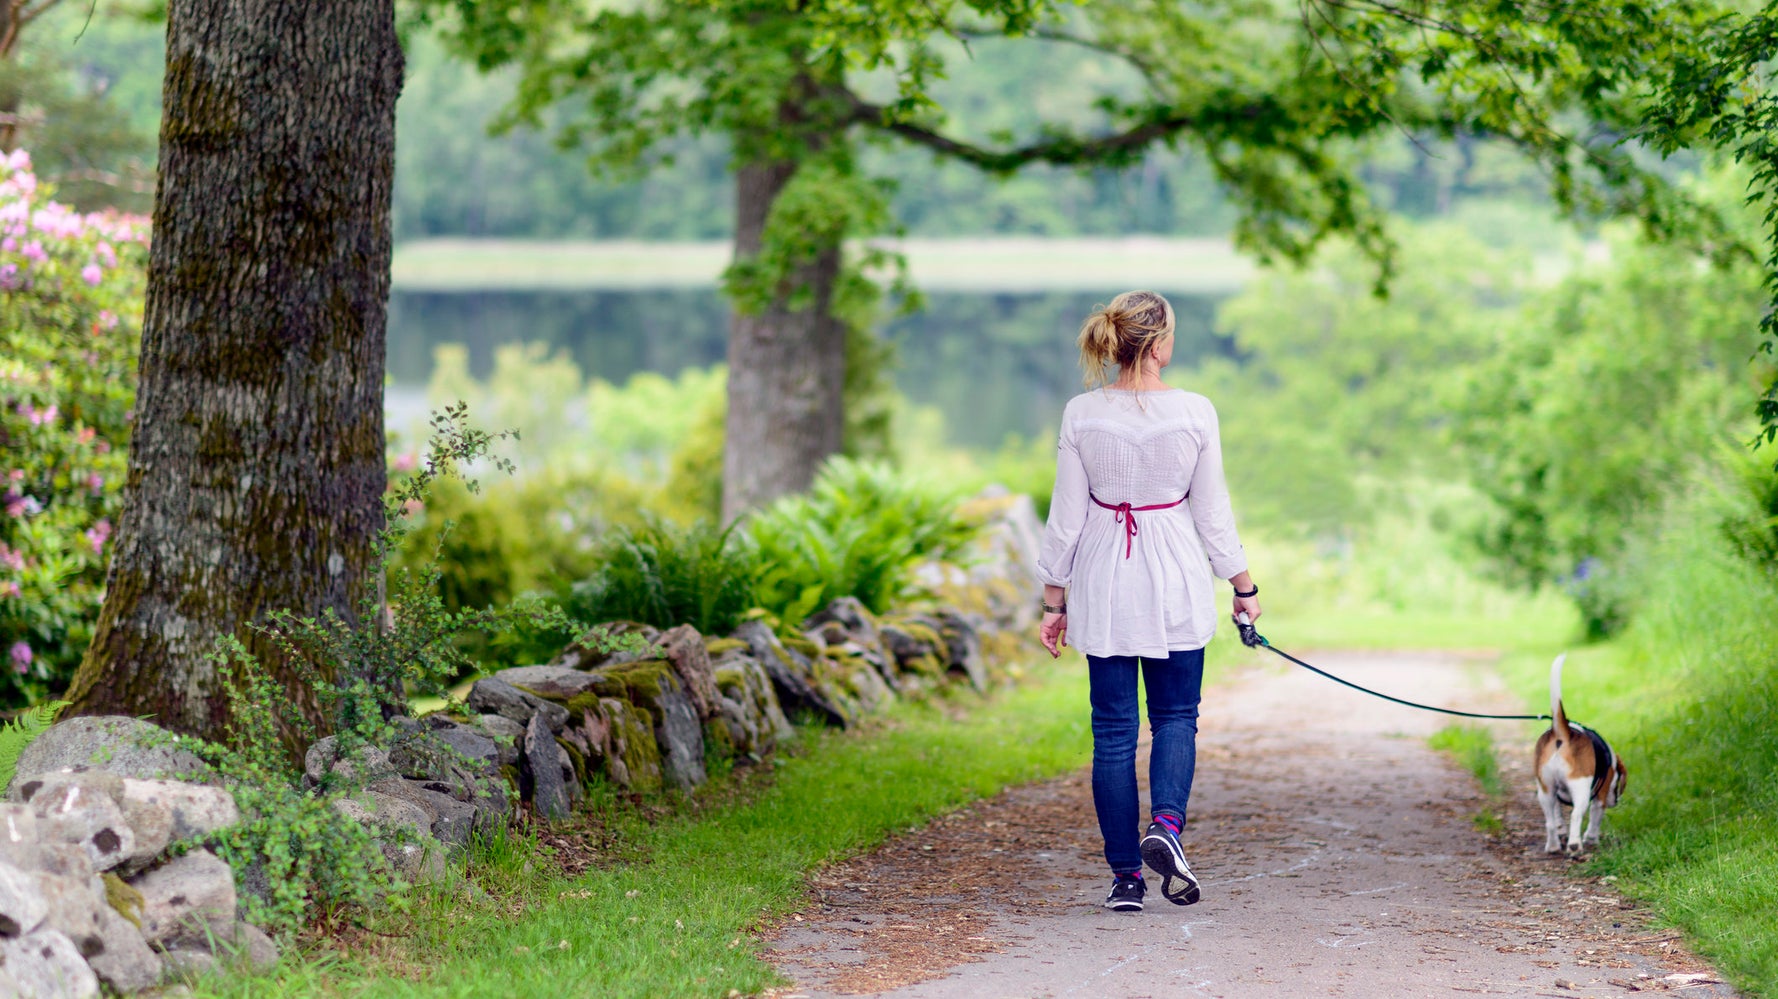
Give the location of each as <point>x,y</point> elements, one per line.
<point>1579,790</point>
<point>1552,820</point>
<point>1595,823</point>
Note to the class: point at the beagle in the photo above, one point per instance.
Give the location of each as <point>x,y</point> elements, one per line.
<point>1574,767</point>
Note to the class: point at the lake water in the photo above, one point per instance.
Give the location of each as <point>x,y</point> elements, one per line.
<point>994,363</point>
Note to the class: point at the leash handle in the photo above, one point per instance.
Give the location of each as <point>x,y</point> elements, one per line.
<point>1250,635</point>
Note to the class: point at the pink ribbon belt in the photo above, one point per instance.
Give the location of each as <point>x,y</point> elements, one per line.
<point>1126,515</point>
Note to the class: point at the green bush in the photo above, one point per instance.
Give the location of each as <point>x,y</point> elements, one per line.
<point>858,532</point>
<point>70,317</point>
<point>664,575</point>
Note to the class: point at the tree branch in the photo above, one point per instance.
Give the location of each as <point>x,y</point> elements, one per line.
<point>1060,150</point>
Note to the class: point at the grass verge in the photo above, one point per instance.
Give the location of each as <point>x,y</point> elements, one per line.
<point>669,912</point>
<point>1473,749</point>
<point>1685,695</point>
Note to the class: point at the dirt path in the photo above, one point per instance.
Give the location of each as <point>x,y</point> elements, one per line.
<point>1338,858</point>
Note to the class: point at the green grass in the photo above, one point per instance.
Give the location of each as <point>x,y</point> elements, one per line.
<point>1473,749</point>
<point>673,918</point>
<point>1179,265</point>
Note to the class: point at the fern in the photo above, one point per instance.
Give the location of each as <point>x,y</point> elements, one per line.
<point>16,734</point>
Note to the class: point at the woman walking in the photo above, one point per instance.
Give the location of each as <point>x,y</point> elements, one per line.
<point>1139,522</point>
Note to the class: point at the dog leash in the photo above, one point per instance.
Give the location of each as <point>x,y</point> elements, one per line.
<point>1251,638</point>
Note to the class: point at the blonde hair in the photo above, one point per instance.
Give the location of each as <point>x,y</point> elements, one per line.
<point>1122,333</point>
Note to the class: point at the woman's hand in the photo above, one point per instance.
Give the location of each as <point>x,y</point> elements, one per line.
<point>1248,606</point>
<point>1054,633</point>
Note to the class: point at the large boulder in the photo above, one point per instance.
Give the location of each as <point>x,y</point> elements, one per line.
<point>128,747</point>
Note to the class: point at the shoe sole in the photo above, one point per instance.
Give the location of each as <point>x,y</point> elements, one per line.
<point>1125,906</point>
<point>1166,860</point>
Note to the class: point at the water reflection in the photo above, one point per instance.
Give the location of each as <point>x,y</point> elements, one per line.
<point>994,364</point>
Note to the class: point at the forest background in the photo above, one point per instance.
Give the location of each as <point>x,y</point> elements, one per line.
<point>1545,422</point>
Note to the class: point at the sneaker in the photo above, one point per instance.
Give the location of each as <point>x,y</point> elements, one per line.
<point>1161,851</point>
<point>1126,893</point>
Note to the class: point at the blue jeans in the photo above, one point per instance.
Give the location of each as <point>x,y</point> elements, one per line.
<point>1174,686</point>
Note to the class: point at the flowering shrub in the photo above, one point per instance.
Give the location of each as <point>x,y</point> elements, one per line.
<point>70,324</point>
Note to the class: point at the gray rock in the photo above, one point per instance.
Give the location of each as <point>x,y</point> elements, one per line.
<point>71,810</point>
<point>22,907</point>
<point>387,807</point>
<point>19,837</point>
<point>557,683</point>
<point>123,959</point>
<point>446,819</point>
<point>46,965</point>
<point>324,765</point>
<point>507,736</point>
<point>128,747</point>
<point>188,961</point>
<point>792,673</point>
<point>472,746</point>
<point>195,810</point>
<point>453,821</point>
<point>68,860</point>
<point>251,951</point>
<point>964,644</point>
<point>549,793</point>
<point>497,727</point>
<point>865,682</point>
<point>497,697</point>
<point>579,656</point>
<point>684,648</point>
<point>189,897</point>
<point>848,626</point>
<point>50,783</point>
<point>681,739</point>
<point>76,908</point>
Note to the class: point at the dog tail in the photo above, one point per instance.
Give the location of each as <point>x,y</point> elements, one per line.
<point>1558,720</point>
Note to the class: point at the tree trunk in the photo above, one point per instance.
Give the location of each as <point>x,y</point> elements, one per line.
<point>257,470</point>
<point>786,368</point>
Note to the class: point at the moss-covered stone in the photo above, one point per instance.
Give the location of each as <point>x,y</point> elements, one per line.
<point>800,644</point>
<point>633,745</point>
<point>125,899</point>
<point>718,646</point>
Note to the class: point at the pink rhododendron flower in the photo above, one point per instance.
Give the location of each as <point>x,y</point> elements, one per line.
<point>34,252</point>
<point>9,244</point>
<point>107,319</point>
<point>96,483</point>
<point>92,274</point>
<point>98,534</point>
<point>21,656</point>
<point>9,589</point>
<point>406,462</point>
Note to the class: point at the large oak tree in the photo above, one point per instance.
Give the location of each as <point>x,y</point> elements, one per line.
<point>257,470</point>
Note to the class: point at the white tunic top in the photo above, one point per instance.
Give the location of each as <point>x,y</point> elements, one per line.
<point>1140,448</point>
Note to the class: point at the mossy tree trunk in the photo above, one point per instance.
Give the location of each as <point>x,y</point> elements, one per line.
<point>257,469</point>
<point>786,363</point>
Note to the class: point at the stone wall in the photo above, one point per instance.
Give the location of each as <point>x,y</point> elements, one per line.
<point>90,893</point>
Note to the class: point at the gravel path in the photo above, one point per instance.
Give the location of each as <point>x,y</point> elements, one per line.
<point>1338,855</point>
